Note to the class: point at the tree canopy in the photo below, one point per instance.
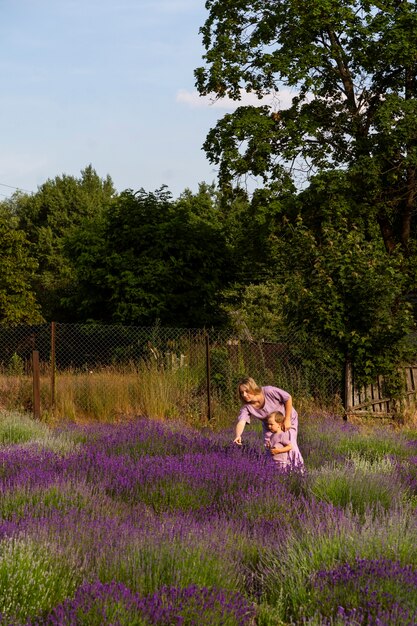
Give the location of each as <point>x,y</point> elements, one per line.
<point>341,248</point>
<point>48,217</point>
<point>351,67</point>
<point>340,286</point>
<point>153,258</point>
<point>18,302</point>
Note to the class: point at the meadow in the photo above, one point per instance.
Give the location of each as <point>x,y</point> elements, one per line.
<point>156,522</point>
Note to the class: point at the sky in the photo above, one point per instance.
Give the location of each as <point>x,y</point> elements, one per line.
<point>108,83</point>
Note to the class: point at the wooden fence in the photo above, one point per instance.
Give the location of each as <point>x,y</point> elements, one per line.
<point>372,401</point>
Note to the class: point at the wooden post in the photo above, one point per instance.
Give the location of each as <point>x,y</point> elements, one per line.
<point>36,385</point>
<point>208,377</point>
<point>53,337</point>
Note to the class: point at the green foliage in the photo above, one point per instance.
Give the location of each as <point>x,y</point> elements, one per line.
<point>108,609</point>
<point>147,568</point>
<point>154,259</point>
<point>21,428</point>
<point>18,428</point>
<point>32,578</point>
<point>221,369</point>
<point>17,504</point>
<point>15,366</point>
<point>256,310</point>
<point>361,491</point>
<point>48,218</point>
<point>252,227</point>
<point>342,287</point>
<point>344,249</point>
<point>18,302</point>
<point>351,69</point>
<point>167,495</point>
<point>372,449</point>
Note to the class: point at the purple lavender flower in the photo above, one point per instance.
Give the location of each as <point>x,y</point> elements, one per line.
<point>153,491</point>
<point>407,474</point>
<point>112,604</point>
<point>368,591</point>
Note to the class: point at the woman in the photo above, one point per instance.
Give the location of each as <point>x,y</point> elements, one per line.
<point>259,402</point>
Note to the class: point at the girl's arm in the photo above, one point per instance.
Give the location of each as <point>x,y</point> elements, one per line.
<point>283,449</point>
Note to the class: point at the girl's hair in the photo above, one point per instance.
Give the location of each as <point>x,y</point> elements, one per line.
<point>277,416</point>
<point>248,382</point>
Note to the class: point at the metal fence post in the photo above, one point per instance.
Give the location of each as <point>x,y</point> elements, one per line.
<point>208,376</point>
<point>53,338</point>
<point>36,385</point>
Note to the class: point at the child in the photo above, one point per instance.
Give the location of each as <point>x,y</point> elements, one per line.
<point>283,449</point>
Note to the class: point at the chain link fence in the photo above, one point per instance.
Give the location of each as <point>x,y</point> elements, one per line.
<point>111,371</point>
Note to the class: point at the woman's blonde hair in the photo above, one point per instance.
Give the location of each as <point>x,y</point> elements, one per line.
<point>250,383</point>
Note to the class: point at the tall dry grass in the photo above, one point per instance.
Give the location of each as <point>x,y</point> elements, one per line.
<point>111,394</point>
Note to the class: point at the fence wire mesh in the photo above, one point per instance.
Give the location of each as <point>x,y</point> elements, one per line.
<point>102,371</point>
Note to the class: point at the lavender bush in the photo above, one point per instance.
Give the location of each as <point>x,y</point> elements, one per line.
<point>33,576</point>
<point>148,520</point>
<point>113,603</point>
<point>375,589</point>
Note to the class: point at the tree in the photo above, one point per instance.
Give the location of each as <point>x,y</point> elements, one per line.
<point>86,251</point>
<point>48,218</point>
<point>256,311</point>
<point>352,67</point>
<point>18,304</point>
<point>154,259</point>
<point>340,286</point>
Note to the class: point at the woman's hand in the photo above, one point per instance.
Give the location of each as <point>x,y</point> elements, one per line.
<point>238,441</point>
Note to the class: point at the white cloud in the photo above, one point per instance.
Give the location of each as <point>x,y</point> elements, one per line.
<point>277,100</point>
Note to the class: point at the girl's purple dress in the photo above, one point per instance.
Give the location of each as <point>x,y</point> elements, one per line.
<point>280,439</point>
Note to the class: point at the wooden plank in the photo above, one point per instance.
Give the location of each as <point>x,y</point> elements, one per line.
<point>380,388</point>
<point>374,394</point>
<point>413,377</point>
<point>408,379</point>
<point>363,413</point>
<point>349,399</point>
<point>370,403</point>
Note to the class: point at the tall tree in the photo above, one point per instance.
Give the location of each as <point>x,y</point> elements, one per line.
<point>48,217</point>
<point>154,259</point>
<point>352,68</point>
<point>18,304</point>
<point>345,296</point>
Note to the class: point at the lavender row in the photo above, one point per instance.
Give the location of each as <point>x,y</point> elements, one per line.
<point>158,510</point>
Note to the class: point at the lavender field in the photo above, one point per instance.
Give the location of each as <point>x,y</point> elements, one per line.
<point>156,523</point>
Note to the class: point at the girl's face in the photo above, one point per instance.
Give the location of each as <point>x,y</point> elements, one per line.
<point>251,397</point>
<point>272,426</point>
